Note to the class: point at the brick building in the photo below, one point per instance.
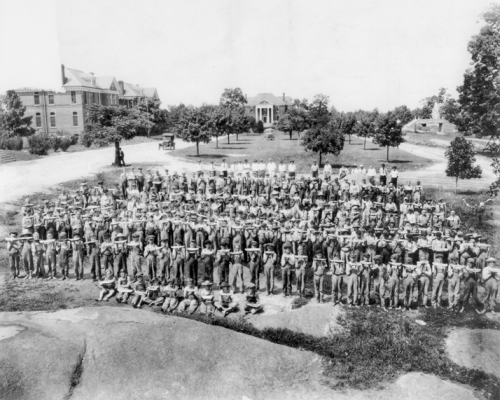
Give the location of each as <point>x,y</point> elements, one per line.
<point>267,107</point>
<point>65,111</point>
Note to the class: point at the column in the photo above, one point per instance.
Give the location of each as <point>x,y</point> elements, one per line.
<point>256,114</point>
<point>271,115</point>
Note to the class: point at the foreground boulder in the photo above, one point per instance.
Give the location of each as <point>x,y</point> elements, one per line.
<point>122,353</point>
<point>475,348</point>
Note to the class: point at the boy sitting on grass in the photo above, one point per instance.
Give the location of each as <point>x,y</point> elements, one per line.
<point>139,291</point>
<point>124,288</point>
<point>108,286</point>
<point>226,305</point>
<point>173,295</point>
<point>252,302</point>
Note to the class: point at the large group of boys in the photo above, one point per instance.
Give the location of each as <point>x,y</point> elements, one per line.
<point>368,235</point>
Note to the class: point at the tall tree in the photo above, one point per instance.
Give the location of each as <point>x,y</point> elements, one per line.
<point>219,122</point>
<point>495,186</point>
<point>326,138</point>
<point>318,111</point>
<point>110,124</point>
<point>348,123</point>
<point>285,124</point>
<point>461,158</point>
<point>194,126</point>
<point>234,102</point>
<point>158,117</point>
<point>479,96</point>
<point>13,122</point>
<point>388,132</point>
<point>295,119</point>
<point>404,114</point>
<point>233,98</point>
<point>174,114</point>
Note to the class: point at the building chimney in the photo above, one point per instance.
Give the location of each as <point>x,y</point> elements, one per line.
<point>284,98</point>
<point>122,88</point>
<point>63,76</point>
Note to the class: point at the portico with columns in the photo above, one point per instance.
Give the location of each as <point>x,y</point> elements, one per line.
<point>267,108</point>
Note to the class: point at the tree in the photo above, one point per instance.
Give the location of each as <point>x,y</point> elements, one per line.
<point>365,124</point>
<point>461,159</point>
<point>294,119</point>
<point>325,138</point>
<point>347,121</point>
<point>173,115</point>
<point>285,124</point>
<point>234,102</point>
<point>233,98</point>
<point>219,122</point>
<point>194,126</point>
<point>157,117</point>
<point>318,111</point>
<point>110,124</point>
<point>260,126</point>
<point>13,123</point>
<point>495,186</point>
<point>404,114</point>
<point>240,122</point>
<point>479,96</point>
<point>388,132</point>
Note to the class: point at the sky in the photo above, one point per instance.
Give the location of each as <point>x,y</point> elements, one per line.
<point>363,54</point>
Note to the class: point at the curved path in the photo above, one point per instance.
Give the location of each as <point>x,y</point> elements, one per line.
<point>26,177</point>
<point>434,175</point>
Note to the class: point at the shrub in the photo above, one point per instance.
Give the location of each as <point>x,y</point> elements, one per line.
<point>55,142</point>
<point>86,139</point>
<point>260,127</point>
<point>65,143</point>
<point>74,139</point>
<point>39,144</point>
<point>14,143</point>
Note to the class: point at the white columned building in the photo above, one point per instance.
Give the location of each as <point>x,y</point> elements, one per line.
<point>267,107</point>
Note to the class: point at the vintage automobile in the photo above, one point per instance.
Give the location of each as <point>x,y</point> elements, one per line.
<point>167,141</point>
<point>269,133</point>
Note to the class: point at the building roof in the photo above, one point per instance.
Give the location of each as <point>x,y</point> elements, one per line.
<point>132,91</point>
<point>77,78</point>
<point>269,98</point>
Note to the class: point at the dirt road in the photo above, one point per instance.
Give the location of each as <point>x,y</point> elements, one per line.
<point>435,174</point>
<point>23,178</point>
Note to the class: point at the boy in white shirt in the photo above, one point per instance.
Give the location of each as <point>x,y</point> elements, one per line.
<point>394,176</point>
<point>282,169</point>
<point>327,171</point>
<point>271,167</point>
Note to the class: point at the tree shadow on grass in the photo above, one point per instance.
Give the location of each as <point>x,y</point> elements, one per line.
<point>371,149</point>
<point>206,156</point>
<point>399,161</point>
<point>232,148</point>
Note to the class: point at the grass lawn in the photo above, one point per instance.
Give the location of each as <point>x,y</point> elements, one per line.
<point>254,146</point>
<point>431,135</point>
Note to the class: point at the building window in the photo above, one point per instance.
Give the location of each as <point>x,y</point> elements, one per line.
<point>73,97</point>
<point>53,120</point>
<point>75,119</point>
<point>38,120</point>
<point>37,98</point>
<point>51,99</point>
